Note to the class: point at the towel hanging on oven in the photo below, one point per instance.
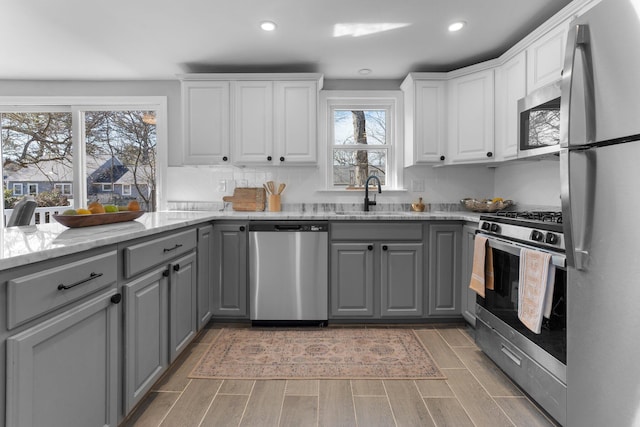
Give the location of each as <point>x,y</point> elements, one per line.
<point>482,273</point>
<point>535,288</point>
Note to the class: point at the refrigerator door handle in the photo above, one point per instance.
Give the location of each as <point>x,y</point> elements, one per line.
<point>576,231</point>
<point>578,40</point>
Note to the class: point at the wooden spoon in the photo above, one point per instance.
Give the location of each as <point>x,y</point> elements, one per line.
<point>266,188</point>
<point>281,188</point>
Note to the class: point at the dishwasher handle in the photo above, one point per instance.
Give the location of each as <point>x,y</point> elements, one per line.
<point>288,227</point>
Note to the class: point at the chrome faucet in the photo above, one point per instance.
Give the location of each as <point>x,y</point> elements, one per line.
<point>368,203</point>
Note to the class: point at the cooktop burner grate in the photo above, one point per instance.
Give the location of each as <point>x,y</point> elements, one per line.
<point>543,216</point>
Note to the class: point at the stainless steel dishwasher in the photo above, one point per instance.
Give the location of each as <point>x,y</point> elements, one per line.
<point>288,272</point>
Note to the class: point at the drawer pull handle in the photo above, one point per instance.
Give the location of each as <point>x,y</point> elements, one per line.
<point>511,355</point>
<point>92,276</point>
<point>173,248</point>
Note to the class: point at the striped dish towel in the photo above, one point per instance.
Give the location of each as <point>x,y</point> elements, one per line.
<point>535,289</point>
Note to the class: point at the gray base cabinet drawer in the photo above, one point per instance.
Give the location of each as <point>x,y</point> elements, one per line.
<point>142,256</point>
<point>376,231</point>
<point>35,294</point>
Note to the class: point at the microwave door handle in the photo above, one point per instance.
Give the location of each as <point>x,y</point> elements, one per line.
<point>578,41</point>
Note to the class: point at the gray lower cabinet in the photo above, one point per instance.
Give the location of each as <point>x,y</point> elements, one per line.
<point>206,252</point>
<point>401,281</point>
<point>182,303</point>
<point>352,272</point>
<point>146,311</point>
<point>230,279</point>
<point>444,269</point>
<point>160,307</point>
<point>64,370</point>
<point>468,297</point>
<point>378,278</point>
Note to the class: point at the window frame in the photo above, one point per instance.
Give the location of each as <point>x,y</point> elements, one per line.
<point>128,190</point>
<point>78,105</point>
<point>17,185</point>
<point>106,187</point>
<point>61,186</point>
<point>32,184</point>
<point>389,100</point>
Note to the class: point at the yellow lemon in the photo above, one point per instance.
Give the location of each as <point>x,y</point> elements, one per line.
<point>82,211</point>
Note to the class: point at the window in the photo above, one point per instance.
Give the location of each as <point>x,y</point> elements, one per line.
<point>83,147</point>
<point>126,189</point>
<point>361,136</point>
<point>64,189</point>
<point>32,189</point>
<point>17,189</point>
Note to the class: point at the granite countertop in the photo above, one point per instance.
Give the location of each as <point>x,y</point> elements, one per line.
<point>29,244</point>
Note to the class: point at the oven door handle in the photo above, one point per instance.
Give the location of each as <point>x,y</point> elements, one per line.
<point>512,248</point>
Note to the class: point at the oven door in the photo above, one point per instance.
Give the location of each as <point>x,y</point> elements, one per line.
<point>502,301</point>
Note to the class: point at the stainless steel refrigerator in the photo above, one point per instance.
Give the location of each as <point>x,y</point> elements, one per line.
<point>600,180</point>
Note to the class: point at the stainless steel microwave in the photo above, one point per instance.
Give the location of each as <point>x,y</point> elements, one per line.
<point>539,122</point>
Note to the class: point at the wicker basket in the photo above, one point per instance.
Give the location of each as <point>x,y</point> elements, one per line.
<point>485,205</point>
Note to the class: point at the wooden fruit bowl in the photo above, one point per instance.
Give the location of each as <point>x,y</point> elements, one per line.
<point>76,221</point>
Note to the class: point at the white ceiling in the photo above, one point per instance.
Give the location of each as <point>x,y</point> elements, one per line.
<point>144,39</point>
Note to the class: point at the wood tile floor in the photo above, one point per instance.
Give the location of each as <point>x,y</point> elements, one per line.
<point>476,393</point>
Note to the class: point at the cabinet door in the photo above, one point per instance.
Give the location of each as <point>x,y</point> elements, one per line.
<point>511,85</point>
<point>182,303</point>
<point>468,297</point>
<point>146,330</point>
<point>295,122</point>
<point>205,275</point>
<point>444,269</point>
<point>426,122</point>
<point>206,122</point>
<point>545,58</point>
<point>471,116</point>
<point>64,371</point>
<point>401,279</point>
<point>230,271</point>
<point>352,279</point>
<point>253,122</point>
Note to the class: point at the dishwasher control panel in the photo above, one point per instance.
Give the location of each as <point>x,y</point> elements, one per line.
<point>289,226</point>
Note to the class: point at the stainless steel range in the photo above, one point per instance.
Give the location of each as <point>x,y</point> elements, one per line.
<point>536,362</point>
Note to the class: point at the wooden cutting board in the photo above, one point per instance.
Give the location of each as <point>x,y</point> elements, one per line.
<point>247,199</point>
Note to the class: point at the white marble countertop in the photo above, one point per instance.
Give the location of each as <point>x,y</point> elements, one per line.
<point>29,244</point>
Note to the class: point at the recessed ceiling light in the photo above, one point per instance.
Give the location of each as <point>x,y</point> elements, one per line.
<point>364,71</point>
<point>457,26</point>
<point>268,25</point>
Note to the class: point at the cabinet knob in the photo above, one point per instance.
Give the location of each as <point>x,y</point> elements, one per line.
<point>385,247</point>
<point>225,158</point>
<point>269,158</point>
<point>489,154</point>
<point>282,158</point>
<point>116,298</point>
<point>165,273</point>
<point>176,267</point>
<point>442,158</point>
<point>242,228</point>
<point>370,247</point>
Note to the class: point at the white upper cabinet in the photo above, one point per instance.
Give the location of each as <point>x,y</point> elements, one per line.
<point>275,122</point>
<point>205,109</point>
<point>545,58</point>
<point>511,85</point>
<point>471,117</point>
<point>242,119</point>
<point>253,122</point>
<point>425,119</point>
<point>296,112</point>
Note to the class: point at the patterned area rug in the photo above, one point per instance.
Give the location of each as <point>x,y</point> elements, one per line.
<point>333,353</point>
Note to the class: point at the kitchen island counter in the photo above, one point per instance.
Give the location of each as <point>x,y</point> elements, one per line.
<point>29,244</point>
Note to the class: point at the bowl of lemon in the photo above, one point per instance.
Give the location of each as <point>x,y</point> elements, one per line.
<point>486,205</point>
<point>98,214</point>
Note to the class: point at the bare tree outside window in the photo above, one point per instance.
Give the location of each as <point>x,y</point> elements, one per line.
<point>120,151</point>
<point>360,147</point>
